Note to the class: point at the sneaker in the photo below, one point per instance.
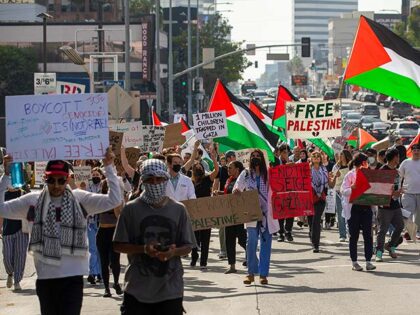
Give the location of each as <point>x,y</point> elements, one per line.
<point>231,270</point>
<point>378,257</point>
<point>91,279</point>
<point>9,282</point>
<point>392,252</point>
<point>203,268</point>
<point>281,238</point>
<point>107,293</point>
<point>222,256</point>
<point>327,226</point>
<point>17,287</point>
<point>315,250</point>
<point>407,236</point>
<point>244,263</point>
<point>289,237</point>
<point>263,280</point>
<point>370,266</point>
<point>299,224</point>
<point>342,239</point>
<point>118,289</point>
<point>357,267</point>
<point>249,279</point>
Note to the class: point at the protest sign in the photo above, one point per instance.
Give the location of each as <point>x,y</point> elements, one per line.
<point>133,133</point>
<point>210,125</point>
<point>119,101</point>
<point>331,201</point>
<point>244,156</point>
<point>39,172</point>
<point>153,137</point>
<point>53,127</point>
<point>347,129</point>
<point>292,190</point>
<point>178,117</point>
<point>373,187</point>
<point>173,135</point>
<point>223,210</point>
<point>313,120</point>
<point>339,144</point>
<point>82,176</point>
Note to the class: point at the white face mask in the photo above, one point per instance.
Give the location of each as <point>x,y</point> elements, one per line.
<point>371,160</point>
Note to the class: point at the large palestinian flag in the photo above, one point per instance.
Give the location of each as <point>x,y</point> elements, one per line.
<point>266,119</point>
<point>283,96</point>
<point>245,129</point>
<point>384,62</point>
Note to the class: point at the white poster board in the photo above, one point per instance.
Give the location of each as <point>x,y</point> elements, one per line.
<point>178,117</point>
<point>54,127</point>
<point>331,200</point>
<point>39,172</point>
<point>153,137</point>
<point>306,120</point>
<point>82,175</point>
<point>133,133</point>
<point>210,125</point>
<point>244,156</point>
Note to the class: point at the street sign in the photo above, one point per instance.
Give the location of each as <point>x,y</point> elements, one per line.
<point>44,83</point>
<point>250,52</point>
<point>148,96</point>
<point>110,83</point>
<point>278,57</point>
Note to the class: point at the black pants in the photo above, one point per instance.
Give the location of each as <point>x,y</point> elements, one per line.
<point>109,258</point>
<point>330,218</point>
<point>288,228</point>
<point>131,306</point>
<point>361,219</point>
<point>231,233</point>
<point>314,222</point>
<point>62,296</point>
<point>203,241</point>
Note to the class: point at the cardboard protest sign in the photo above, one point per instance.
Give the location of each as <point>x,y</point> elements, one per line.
<point>331,201</point>
<point>119,101</point>
<point>373,187</point>
<point>54,127</point>
<point>292,190</point>
<point>173,135</point>
<point>39,172</point>
<point>244,156</point>
<point>133,133</point>
<point>82,176</point>
<point>153,137</point>
<point>224,210</point>
<point>313,120</point>
<point>210,125</point>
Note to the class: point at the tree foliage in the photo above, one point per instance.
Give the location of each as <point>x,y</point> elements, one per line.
<point>139,7</point>
<point>295,65</point>
<point>412,32</point>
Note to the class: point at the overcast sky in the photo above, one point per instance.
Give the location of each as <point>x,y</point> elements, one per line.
<point>264,22</point>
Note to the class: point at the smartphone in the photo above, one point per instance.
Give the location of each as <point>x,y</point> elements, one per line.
<point>161,247</point>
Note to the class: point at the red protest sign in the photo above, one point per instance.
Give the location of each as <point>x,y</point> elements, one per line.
<point>292,191</point>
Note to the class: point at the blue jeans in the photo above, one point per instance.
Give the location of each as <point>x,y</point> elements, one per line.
<point>259,266</point>
<point>94,261</point>
<point>342,229</point>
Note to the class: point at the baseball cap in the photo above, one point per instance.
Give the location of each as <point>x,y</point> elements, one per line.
<point>230,153</point>
<point>57,167</point>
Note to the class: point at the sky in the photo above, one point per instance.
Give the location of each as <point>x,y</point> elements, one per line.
<point>265,22</point>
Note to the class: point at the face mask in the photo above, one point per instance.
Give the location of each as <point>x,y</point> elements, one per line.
<point>176,168</point>
<point>371,160</point>
<point>198,173</point>
<point>96,180</point>
<point>255,162</point>
<point>154,193</point>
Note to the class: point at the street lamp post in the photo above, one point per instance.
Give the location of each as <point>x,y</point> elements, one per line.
<point>44,17</point>
<point>74,56</point>
<point>157,22</point>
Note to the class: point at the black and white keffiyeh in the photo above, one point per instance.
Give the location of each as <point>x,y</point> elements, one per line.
<point>56,230</point>
<point>153,193</point>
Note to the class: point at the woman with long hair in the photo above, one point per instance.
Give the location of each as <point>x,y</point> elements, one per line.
<point>203,184</point>
<point>340,169</point>
<point>256,178</point>
<point>320,183</point>
<point>358,217</point>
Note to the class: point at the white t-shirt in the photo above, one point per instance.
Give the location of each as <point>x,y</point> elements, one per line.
<point>410,171</point>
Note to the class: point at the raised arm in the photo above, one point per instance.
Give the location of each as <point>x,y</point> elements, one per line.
<point>190,162</point>
<point>124,162</point>
<point>215,172</point>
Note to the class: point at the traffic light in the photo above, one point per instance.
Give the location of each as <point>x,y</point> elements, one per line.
<point>306,46</point>
<point>256,64</point>
<point>198,84</point>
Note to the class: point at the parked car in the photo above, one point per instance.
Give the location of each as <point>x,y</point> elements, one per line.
<point>244,99</point>
<point>399,110</point>
<point>406,130</point>
<point>380,99</point>
<point>379,130</point>
<point>370,109</point>
<point>330,95</point>
<point>353,117</point>
<point>388,101</point>
<point>367,121</point>
<point>369,97</point>
<point>258,94</point>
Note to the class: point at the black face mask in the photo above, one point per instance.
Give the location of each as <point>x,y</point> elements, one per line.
<point>255,162</point>
<point>96,180</point>
<point>176,168</point>
<point>198,173</point>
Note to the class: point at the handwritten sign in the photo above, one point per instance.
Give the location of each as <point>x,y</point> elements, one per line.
<point>133,133</point>
<point>210,125</point>
<point>331,201</point>
<point>292,190</point>
<point>53,127</point>
<point>173,135</point>
<point>244,156</point>
<point>224,210</point>
<point>153,137</point>
<point>39,172</point>
<point>82,175</point>
<point>313,120</point>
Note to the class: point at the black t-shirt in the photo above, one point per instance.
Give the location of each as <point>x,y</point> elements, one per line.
<point>203,188</point>
<point>223,176</point>
<point>11,226</point>
<point>395,203</point>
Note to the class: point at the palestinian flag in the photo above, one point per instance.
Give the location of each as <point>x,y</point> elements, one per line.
<point>384,62</point>
<point>373,187</point>
<point>352,140</point>
<point>324,147</point>
<point>264,116</point>
<point>416,140</point>
<point>156,121</point>
<point>245,129</point>
<point>279,116</point>
<point>366,140</point>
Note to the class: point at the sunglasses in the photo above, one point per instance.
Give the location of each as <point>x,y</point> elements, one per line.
<point>52,181</point>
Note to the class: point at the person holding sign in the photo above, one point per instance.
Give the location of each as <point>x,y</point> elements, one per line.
<point>59,237</point>
<point>357,216</point>
<point>256,178</point>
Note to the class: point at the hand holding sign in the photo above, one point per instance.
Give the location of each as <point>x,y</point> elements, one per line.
<point>109,157</point>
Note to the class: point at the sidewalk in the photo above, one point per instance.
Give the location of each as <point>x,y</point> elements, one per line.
<point>300,282</point>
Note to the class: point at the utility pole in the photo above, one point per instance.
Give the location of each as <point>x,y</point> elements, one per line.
<point>100,39</point>
<point>197,54</point>
<point>127,45</point>
<point>157,20</point>
<point>189,85</point>
<point>171,67</point>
